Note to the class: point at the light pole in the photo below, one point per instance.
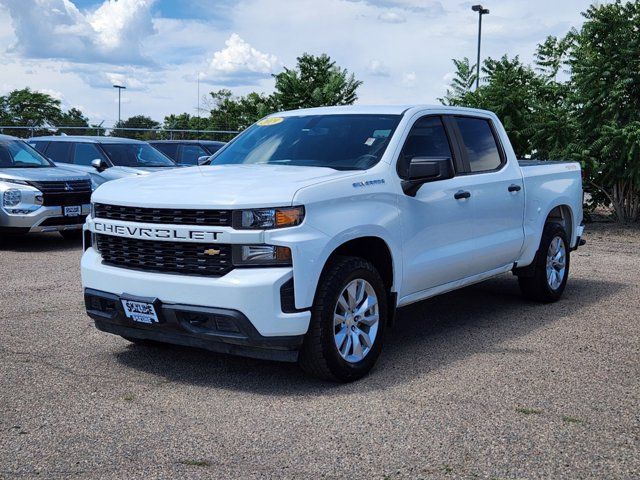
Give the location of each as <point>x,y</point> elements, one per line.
<point>120,88</point>
<point>481,11</point>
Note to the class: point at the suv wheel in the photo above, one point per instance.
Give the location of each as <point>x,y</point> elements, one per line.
<point>348,320</point>
<point>551,267</point>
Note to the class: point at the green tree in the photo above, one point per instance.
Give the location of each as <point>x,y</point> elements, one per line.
<point>316,81</point>
<point>137,121</point>
<point>73,118</point>
<point>229,112</point>
<point>605,66</point>
<point>461,89</point>
<point>26,107</point>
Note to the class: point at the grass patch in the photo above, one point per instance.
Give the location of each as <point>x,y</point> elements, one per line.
<point>569,419</point>
<point>528,411</point>
<point>447,469</point>
<point>195,463</point>
<point>129,397</point>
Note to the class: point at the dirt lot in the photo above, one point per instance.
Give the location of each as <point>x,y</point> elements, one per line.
<point>475,384</point>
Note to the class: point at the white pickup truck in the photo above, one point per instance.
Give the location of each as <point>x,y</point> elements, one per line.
<point>311,228</point>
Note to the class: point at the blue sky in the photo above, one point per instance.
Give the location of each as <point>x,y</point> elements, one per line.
<point>401,49</point>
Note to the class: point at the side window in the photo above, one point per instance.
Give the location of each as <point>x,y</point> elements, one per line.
<point>190,153</point>
<point>427,138</point>
<point>169,149</point>
<point>39,145</point>
<point>59,152</point>
<point>85,153</point>
<point>480,144</point>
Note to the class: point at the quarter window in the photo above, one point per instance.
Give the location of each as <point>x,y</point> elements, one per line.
<point>480,144</point>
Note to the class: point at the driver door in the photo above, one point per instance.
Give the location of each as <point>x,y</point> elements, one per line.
<point>438,234</point>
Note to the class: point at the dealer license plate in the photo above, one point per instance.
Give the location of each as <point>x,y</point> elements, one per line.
<point>140,312</point>
<point>74,211</point>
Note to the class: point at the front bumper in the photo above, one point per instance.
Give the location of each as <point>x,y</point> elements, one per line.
<point>215,329</point>
<point>254,292</point>
<point>45,219</point>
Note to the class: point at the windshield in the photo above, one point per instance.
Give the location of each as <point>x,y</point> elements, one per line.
<point>342,142</point>
<point>136,155</point>
<point>17,154</point>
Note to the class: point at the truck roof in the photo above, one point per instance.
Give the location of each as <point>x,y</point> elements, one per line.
<point>86,139</point>
<point>377,110</point>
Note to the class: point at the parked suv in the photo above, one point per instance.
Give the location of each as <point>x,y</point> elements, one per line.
<point>38,196</point>
<point>187,152</point>
<point>103,158</point>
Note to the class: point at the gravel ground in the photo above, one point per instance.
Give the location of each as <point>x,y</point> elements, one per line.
<point>478,383</point>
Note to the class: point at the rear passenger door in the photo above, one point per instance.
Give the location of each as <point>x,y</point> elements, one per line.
<point>496,199</point>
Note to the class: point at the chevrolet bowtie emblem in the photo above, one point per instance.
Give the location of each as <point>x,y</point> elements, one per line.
<point>211,251</point>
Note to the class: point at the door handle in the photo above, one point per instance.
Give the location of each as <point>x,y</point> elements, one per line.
<point>514,188</point>
<point>460,194</point>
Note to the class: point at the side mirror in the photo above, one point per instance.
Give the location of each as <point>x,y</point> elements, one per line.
<point>425,169</point>
<point>204,159</point>
<point>99,164</point>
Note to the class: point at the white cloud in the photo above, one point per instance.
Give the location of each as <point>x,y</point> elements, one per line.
<point>377,68</point>
<point>409,79</point>
<point>392,17</point>
<point>113,33</point>
<point>238,64</point>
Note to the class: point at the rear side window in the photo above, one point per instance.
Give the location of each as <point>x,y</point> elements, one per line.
<point>480,144</point>
<point>85,153</point>
<point>59,152</point>
<point>169,149</point>
<point>427,139</point>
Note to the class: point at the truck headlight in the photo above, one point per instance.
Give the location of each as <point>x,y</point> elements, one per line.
<point>261,255</point>
<point>11,197</point>
<point>268,218</point>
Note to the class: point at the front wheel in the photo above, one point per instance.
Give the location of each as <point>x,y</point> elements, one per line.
<point>550,268</point>
<point>348,320</point>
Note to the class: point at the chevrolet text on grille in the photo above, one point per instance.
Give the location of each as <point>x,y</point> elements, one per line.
<point>155,233</point>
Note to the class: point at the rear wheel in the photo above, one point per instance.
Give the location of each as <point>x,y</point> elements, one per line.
<point>348,320</point>
<point>551,266</point>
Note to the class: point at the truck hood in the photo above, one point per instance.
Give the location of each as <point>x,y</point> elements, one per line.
<point>42,174</point>
<point>220,186</point>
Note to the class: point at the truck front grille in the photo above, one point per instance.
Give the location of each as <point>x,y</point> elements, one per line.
<point>169,216</point>
<point>64,193</point>
<point>211,260</point>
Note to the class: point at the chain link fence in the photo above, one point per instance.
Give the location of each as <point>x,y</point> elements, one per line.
<point>22,131</point>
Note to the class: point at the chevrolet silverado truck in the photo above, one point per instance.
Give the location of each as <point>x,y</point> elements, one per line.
<point>38,196</point>
<point>309,230</point>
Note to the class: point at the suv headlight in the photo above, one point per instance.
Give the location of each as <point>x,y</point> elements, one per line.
<point>268,218</point>
<point>261,255</point>
<point>11,197</point>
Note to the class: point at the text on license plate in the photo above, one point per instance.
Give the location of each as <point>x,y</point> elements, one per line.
<point>140,312</point>
<point>74,211</point>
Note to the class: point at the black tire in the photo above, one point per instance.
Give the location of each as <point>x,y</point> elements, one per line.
<point>534,285</point>
<point>71,235</point>
<point>319,355</point>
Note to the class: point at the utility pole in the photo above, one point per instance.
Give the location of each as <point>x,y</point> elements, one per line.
<point>481,11</point>
<point>120,88</point>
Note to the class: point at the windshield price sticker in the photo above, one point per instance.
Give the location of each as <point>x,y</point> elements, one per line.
<point>265,122</point>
